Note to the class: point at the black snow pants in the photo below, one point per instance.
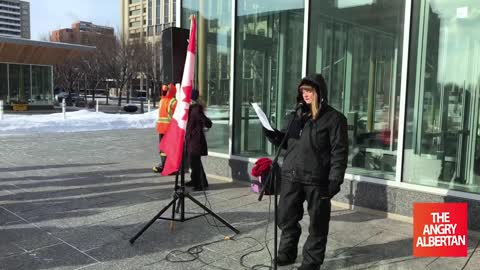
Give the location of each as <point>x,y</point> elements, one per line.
<point>292,196</point>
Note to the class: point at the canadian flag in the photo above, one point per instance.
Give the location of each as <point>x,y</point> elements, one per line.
<point>172,142</point>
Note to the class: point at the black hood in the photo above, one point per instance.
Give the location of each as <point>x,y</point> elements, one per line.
<point>318,83</point>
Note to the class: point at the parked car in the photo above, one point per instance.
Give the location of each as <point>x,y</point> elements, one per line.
<point>70,98</point>
<point>80,102</point>
<point>60,96</point>
<point>130,108</point>
<point>141,94</point>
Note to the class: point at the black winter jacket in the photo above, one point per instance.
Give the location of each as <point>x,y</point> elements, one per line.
<point>316,151</point>
<point>195,136</point>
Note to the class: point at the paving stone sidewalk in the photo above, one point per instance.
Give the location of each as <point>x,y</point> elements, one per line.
<point>73,200</point>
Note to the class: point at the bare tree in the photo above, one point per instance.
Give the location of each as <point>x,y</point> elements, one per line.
<point>67,74</point>
<point>150,66</point>
<point>93,64</point>
<point>118,64</point>
<point>137,51</point>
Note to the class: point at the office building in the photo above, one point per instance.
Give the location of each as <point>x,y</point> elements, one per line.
<point>147,18</point>
<point>26,69</point>
<point>15,18</point>
<point>84,33</point>
<point>406,74</point>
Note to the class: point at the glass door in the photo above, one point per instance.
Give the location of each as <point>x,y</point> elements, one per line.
<point>267,69</point>
<point>359,64</point>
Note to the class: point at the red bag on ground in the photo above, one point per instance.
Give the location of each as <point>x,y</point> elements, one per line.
<point>260,170</point>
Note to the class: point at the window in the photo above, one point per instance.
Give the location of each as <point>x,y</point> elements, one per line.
<point>42,85</point>
<point>8,32</point>
<point>268,64</point>
<point>358,49</point>
<point>213,86</point>
<point>136,12</point>
<point>149,12</point>
<point>3,82</point>
<point>7,26</point>
<point>19,79</point>
<point>165,11</point>
<point>9,15</point>
<point>157,14</point>
<point>442,136</point>
<point>9,21</point>
<point>174,9</point>
<point>135,24</point>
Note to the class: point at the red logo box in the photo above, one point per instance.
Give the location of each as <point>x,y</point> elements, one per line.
<point>440,230</point>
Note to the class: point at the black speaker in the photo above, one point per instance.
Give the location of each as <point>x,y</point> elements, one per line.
<point>174,42</point>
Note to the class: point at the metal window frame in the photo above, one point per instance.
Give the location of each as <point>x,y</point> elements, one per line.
<point>232,77</point>
<point>306,28</point>
<point>403,90</point>
<point>178,23</point>
<point>31,85</point>
<point>8,82</point>
<point>52,85</point>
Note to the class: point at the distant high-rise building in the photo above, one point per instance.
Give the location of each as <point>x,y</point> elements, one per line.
<point>84,33</point>
<point>147,18</point>
<point>15,18</point>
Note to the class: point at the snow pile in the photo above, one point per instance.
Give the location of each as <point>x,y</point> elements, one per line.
<point>83,120</point>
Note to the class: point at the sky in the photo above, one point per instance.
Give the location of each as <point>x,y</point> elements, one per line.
<point>48,15</point>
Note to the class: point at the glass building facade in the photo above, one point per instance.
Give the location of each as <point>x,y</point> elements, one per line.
<point>268,53</point>
<point>214,60</point>
<point>442,131</point>
<point>31,84</point>
<point>358,49</point>
<point>406,74</point>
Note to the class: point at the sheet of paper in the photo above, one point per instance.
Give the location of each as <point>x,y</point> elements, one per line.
<point>261,115</point>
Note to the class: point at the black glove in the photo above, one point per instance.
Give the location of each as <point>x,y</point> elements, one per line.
<point>275,136</point>
<point>270,133</point>
<point>333,188</point>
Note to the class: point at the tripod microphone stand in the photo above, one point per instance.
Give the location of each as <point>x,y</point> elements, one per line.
<point>179,196</point>
<point>272,179</point>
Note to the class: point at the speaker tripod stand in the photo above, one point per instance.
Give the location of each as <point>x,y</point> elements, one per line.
<point>178,205</point>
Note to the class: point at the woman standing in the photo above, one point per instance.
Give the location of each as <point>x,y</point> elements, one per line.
<point>196,143</point>
<point>313,169</point>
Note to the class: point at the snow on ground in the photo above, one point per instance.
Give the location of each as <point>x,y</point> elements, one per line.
<point>84,120</point>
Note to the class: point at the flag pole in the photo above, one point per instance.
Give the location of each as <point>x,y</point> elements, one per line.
<point>173,144</point>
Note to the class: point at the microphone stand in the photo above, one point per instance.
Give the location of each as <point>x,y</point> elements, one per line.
<point>272,178</point>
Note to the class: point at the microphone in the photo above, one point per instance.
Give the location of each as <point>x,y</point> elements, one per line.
<point>299,106</point>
